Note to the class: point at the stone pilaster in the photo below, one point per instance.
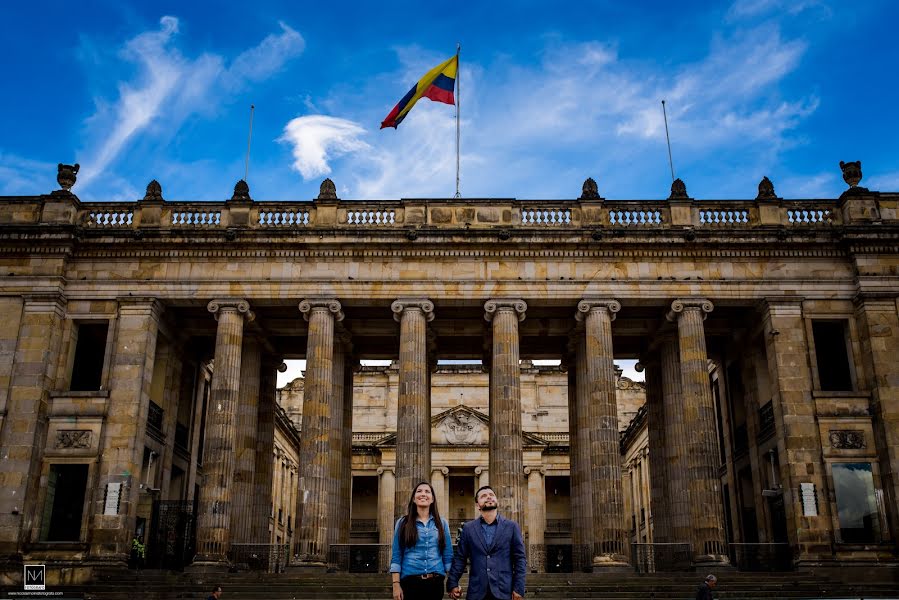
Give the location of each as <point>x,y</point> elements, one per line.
<point>879,336</point>
<point>265,442</point>
<point>216,501</point>
<point>609,536</point>
<point>386,498</point>
<point>345,470</point>
<point>658,485</point>
<point>246,424</point>
<point>506,460</point>
<point>131,374</point>
<point>675,435</point>
<point>413,420</point>
<point>438,482</point>
<point>32,372</point>
<point>315,444</point>
<point>536,512</point>
<point>707,517</point>
<point>799,439</point>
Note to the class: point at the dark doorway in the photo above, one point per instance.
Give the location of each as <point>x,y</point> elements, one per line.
<point>172,541</point>
<point>64,506</point>
<point>90,352</point>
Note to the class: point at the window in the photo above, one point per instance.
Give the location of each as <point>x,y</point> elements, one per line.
<point>64,505</point>
<point>832,356</point>
<point>90,352</point>
<point>856,502</point>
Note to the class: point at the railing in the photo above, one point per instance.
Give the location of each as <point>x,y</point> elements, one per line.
<point>653,558</point>
<point>371,216</point>
<point>635,217</point>
<point>268,558</point>
<point>558,558</point>
<point>761,557</point>
<point>109,216</point>
<point>546,216</point>
<point>196,216</point>
<point>766,422</point>
<point>558,526</point>
<point>154,421</point>
<point>723,217</point>
<point>810,215</point>
<point>359,558</point>
<point>283,217</point>
<point>363,525</point>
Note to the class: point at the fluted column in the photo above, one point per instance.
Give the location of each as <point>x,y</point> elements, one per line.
<point>413,418</point>
<point>245,456</point>
<point>215,506</point>
<point>656,416</point>
<point>345,467</point>
<point>707,516</point>
<point>265,440</point>
<point>582,501</point>
<point>386,498</point>
<point>609,534</point>
<point>481,477</point>
<point>336,437</point>
<point>536,513</point>
<point>675,435</point>
<point>315,444</point>
<point>438,482</point>
<point>506,460</point>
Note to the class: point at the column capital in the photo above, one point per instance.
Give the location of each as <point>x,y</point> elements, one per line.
<point>382,470</point>
<point>400,305</point>
<point>681,304</point>
<point>534,470</point>
<point>479,470</point>
<point>443,470</point>
<point>502,304</point>
<point>331,305</point>
<point>241,306</point>
<point>589,304</point>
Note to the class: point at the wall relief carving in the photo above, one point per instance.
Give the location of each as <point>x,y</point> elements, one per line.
<point>462,428</point>
<point>847,439</point>
<point>78,439</point>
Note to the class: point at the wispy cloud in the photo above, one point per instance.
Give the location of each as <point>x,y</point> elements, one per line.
<point>172,87</point>
<point>882,182</point>
<point>22,175</point>
<point>316,139</point>
<point>743,9</point>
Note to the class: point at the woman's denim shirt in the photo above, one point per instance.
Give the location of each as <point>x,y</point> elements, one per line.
<point>425,556</point>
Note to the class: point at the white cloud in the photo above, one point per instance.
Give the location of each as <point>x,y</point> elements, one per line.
<point>169,88</point>
<point>22,175</point>
<point>882,182</point>
<point>319,138</point>
<point>745,9</point>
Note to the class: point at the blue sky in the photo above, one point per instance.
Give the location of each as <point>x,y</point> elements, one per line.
<point>551,93</point>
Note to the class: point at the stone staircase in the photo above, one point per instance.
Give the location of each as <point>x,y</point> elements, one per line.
<point>157,585</point>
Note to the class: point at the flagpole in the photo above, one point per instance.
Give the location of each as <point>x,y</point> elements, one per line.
<point>668,139</point>
<point>246,170</point>
<point>458,100</point>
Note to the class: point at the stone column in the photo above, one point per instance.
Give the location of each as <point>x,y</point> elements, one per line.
<point>798,435</point>
<point>413,418</point>
<point>879,336</point>
<point>707,515</point>
<point>122,450</point>
<point>481,477</point>
<point>32,371</point>
<point>246,429</point>
<point>386,498</point>
<point>506,460</point>
<point>675,437</point>
<point>570,362</point>
<point>609,537</point>
<point>265,441</point>
<point>341,344</point>
<point>659,495</point>
<point>345,471</point>
<point>216,506</point>
<point>315,444</point>
<point>438,482</point>
<point>582,501</point>
<point>536,512</point>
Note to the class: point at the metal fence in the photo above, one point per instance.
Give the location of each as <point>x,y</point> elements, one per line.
<point>268,558</point>
<point>558,558</point>
<point>653,558</point>
<point>359,558</point>
<point>761,557</point>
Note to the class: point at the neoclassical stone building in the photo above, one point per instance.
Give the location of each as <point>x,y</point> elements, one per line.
<point>140,343</point>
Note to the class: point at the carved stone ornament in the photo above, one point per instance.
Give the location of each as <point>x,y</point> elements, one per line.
<point>241,191</point>
<point>586,305</point>
<point>241,306</point>
<point>462,428</point>
<point>66,175</point>
<point>678,190</point>
<point>154,192</point>
<point>681,304</point>
<point>327,191</point>
<point>589,191</point>
<point>76,439</point>
<point>491,306</point>
<point>423,304</point>
<point>847,439</point>
<point>852,172</point>
<point>331,305</point>
<point>766,190</point>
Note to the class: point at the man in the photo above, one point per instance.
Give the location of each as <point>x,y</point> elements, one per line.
<point>495,548</point>
<point>216,593</point>
<point>705,588</point>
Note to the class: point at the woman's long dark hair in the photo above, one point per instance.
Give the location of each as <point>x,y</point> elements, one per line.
<point>408,530</point>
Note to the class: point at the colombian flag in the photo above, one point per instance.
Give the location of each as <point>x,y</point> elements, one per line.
<point>437,84</point>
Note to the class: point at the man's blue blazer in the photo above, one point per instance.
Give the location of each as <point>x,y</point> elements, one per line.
<point>500,568</point>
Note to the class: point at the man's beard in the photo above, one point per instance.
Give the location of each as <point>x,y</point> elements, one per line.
<point>488,507</point>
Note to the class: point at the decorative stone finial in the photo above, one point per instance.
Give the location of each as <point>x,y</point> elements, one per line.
<point>241,191</point>
<point>154,192</point>
<point>678,190</point>
<point>589,191</point>
<point>65,175</point>
<point>852,172</point>
<point>327,191</point>
<point>766,190</point>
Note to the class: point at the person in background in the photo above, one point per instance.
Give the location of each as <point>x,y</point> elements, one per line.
<point>705,588</point>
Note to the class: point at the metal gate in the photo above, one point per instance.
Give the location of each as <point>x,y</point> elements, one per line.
<point>172,541</point>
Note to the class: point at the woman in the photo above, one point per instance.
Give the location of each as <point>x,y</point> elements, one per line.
<point>422,549</point>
